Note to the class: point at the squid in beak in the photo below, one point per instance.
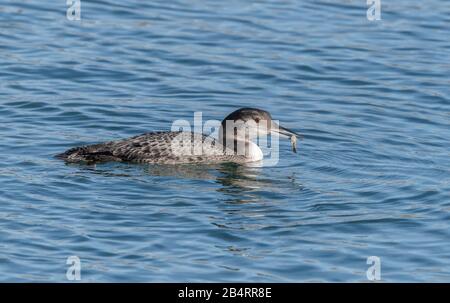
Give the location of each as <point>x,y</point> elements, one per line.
<point>286,133</point>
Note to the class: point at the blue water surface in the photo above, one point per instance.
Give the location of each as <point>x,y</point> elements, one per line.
<point>371,177</point>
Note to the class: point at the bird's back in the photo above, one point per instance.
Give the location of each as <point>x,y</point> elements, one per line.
<point>155,147</point>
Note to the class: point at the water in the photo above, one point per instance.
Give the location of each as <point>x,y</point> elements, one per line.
<point>371,177</point>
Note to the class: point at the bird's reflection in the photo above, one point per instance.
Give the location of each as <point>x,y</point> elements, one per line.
<point>233,178</point>
<point>247,196</point>
<point>239,184</point>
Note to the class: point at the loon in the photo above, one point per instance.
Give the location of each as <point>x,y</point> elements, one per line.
<point>234,144</point>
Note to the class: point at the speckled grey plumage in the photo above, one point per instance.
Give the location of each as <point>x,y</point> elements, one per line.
<point>154,147</point>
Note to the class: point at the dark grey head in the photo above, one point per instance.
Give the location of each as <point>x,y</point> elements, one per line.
<point>261,118</point>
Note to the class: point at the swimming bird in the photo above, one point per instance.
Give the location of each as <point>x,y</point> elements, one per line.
<point>235,143</point>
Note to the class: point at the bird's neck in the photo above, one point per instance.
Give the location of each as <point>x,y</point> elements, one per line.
<point>242,146</point>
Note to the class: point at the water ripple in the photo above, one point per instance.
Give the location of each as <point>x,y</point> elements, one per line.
<point>370,178</point>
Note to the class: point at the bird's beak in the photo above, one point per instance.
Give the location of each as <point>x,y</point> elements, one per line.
<point>284,131</point>
<point>287,133</point>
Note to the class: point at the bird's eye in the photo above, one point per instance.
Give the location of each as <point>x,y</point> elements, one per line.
<point>257,120</point>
